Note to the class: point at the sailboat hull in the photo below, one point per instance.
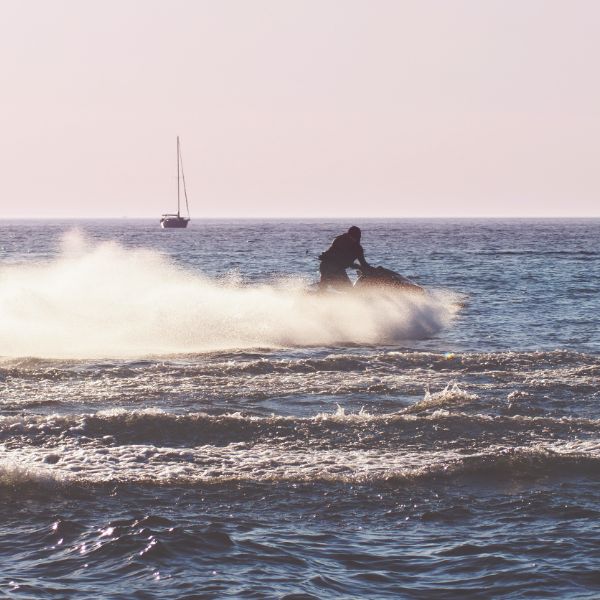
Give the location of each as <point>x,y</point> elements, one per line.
<point>173,222</point>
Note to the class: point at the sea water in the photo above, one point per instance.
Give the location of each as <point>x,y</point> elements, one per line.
<point>181,418</point>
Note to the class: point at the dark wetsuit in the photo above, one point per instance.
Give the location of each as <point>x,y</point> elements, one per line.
<point>343,252</point>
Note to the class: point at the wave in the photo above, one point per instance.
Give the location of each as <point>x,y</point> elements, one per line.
<point>155,468</point>
<point>435,419</point>
<point>105,300</point>
<point>243,363</point>
<point>430,440</point>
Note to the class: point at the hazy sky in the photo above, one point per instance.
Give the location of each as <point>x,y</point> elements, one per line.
<point>302,108</point>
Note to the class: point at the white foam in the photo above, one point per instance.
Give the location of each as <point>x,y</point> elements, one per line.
<point>80,460</point>
<point>104,300</point>
<point>451,396</point>
<point>71,464</point>
<point>16,473</point>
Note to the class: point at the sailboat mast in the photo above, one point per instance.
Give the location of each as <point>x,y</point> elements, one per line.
<point>177,176</point>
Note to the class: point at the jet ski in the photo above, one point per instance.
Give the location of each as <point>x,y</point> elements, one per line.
<point>380,277</point>
<point>371,279</point>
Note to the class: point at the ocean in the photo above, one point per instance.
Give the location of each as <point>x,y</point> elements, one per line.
<point>181,418</point>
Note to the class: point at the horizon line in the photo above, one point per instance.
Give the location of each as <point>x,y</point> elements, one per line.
<point>291,218</point>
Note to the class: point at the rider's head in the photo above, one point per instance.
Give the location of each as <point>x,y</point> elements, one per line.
<point>354,233</point>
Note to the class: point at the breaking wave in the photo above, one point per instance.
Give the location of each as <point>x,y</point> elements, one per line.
<point>431,421</point>
<point>263,465</point>
<point>154,448</point>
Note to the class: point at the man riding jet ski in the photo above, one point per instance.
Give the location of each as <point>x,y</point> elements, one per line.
<point>341,255</point>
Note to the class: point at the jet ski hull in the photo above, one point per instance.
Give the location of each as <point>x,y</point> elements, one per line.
<point>380,277</point>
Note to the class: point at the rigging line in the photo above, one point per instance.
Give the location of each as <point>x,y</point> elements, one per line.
<point>183,179</point>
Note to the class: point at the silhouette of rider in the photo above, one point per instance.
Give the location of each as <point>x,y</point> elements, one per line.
<point>342,253</point>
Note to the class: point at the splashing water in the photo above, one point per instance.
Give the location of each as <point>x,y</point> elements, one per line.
<point>104,300</point>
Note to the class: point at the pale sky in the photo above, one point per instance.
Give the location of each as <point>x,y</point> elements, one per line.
<point>300,108</point>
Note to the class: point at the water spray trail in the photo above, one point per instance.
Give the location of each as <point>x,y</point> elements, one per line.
<point>104,300</point>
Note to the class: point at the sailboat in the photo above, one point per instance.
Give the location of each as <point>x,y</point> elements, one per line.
<point>172,221</point>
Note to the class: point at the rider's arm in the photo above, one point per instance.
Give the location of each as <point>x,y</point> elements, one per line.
<point>361,258</point>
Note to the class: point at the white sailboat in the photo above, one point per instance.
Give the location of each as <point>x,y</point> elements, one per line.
<point>176,221</point>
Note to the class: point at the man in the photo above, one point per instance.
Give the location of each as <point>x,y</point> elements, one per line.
<point>344,250</point>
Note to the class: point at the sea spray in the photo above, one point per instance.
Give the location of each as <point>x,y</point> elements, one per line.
<point>105,300</point>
